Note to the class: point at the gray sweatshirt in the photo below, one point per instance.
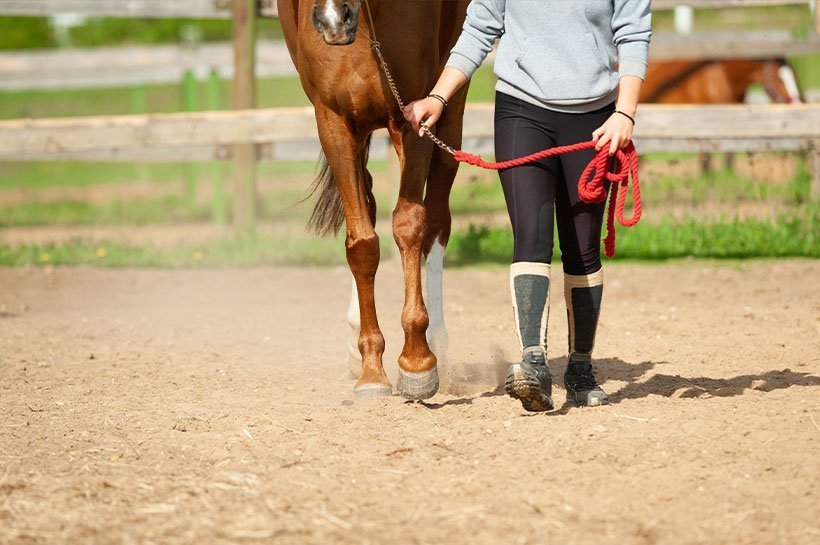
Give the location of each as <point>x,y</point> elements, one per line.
<point>558,54</point>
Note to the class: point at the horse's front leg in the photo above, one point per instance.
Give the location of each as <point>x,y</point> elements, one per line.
<point>418,376</point>
<point>344,152</point>
<point>354,356</point>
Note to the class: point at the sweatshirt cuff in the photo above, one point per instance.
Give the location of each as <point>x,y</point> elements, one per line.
<point>462,64</point>
<point>632,67</point>
<point>632,58</point>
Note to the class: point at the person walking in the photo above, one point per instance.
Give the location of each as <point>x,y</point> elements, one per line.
<point>567,70</point>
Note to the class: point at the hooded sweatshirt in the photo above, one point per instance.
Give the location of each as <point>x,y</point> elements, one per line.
<point>564,55</point>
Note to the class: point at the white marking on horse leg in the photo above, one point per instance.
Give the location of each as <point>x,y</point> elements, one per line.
<point>787,77</point>
<point>354,320</point>
<point>436,331</point>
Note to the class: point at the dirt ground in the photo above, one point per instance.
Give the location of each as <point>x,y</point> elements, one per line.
<point>215,407</point>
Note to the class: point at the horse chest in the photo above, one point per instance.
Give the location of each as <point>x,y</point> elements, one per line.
<point>344,79</point>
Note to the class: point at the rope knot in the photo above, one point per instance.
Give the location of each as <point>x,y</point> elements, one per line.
<point>469,158</point>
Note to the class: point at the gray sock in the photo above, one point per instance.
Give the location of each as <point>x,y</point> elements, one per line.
<point>583,296</point>
<point>529,290</point>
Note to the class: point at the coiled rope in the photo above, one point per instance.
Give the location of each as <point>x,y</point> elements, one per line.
<point>591,186</point>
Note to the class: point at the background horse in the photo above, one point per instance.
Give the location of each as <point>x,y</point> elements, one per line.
<point>718,82</point>
<point>329,42</point>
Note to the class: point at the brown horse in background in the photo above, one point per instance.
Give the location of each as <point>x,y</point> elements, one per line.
<point>718,81</point>
<point>329,42</point>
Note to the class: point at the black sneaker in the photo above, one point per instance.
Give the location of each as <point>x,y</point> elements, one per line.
<point>530,382</point>
<point>582,389</point>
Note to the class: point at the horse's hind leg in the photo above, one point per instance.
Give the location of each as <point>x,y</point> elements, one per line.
<point>443,169</point>
<point>344,152</point>
<point>418,376</point>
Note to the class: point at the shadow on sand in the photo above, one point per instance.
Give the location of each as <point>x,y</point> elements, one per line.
<point>677,386</point>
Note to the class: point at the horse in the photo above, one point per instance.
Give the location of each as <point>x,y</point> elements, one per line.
<point>718,81</point>
<point>331,45</point>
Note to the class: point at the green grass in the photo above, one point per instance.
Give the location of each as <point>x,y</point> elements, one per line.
<point>794,235</point>
<point>482,195</point>
<point>807,71</point>
<point>271,92</point>
<point>33,174</point>
<point>230,252</point>
<point>164,210</point>
<point>275,92</point>
<point>726,187</point>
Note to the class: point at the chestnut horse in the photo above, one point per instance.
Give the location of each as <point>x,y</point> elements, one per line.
<point>718,82</point>
<point>330,44</point>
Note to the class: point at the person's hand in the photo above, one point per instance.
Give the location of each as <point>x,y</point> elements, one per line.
<point>617,131</point>
<point>427,110</point>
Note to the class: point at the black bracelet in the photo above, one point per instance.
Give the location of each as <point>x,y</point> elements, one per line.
<point>439,98</point>
<point>629,117</point>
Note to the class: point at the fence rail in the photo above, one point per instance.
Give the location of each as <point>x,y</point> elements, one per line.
<point>717,4</point>
<point>106,67</point>
<point>659,128</point>
<point>194,9</point>
<point>125,66</point>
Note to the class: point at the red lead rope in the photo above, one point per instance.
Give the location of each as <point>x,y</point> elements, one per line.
<point>591,184</point>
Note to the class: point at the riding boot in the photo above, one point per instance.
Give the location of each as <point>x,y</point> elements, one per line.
<point>583,296</point>
<point>529,380</point>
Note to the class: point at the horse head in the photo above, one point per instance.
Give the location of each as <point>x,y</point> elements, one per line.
<point>336,20</point>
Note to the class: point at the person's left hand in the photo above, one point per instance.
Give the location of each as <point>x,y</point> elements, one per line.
<point>617,131</point>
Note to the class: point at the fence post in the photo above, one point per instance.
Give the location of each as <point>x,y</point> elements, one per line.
<point>244,98</point>
<point>139,106</point>
<point>813,163</point>
<point>189,104</point>
<point>218,168</point>
<point>815,8</point>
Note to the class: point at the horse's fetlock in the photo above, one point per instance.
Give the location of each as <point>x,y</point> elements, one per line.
<point>372,343</point>
<point>415,320</point>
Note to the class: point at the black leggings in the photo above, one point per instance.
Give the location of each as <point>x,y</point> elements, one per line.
<point>537,192</point>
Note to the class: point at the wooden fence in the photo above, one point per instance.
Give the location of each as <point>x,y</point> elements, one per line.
<point>281,132</point>
<point>240,133</point>
<point>220,9</point>
<point>126,66</point>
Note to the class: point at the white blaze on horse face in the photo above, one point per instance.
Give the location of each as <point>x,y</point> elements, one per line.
<point>354,320</point>
<point>787,77</point>
<point>436,331</point>
<point>334,19</point>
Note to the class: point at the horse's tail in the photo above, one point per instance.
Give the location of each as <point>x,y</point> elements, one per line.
<point>328,213</point>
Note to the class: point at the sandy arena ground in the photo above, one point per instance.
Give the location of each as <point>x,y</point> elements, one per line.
<point>215,407</point>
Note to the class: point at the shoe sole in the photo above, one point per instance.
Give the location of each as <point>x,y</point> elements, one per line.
<point>525,387</point>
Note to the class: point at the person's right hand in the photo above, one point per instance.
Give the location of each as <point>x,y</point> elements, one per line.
<point>427,110</point>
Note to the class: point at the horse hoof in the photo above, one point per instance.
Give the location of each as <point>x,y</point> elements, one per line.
<point>422,385</point>
<point>368,391</point>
